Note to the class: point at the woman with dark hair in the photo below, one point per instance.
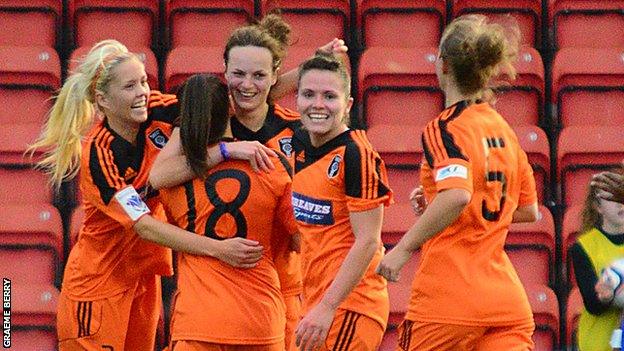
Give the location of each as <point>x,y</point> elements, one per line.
<point>219,307</point>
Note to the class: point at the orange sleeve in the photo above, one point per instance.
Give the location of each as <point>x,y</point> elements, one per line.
<point>107,180</point>
<point>528,194</point>
<point>365,176</point>
<point>444,154</point>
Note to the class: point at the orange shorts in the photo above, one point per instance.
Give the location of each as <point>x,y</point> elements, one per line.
<point>126,321</point>
<point>190,345</point>
<point>293,315</point>
<point>353,332</point>
<point>426,336</point>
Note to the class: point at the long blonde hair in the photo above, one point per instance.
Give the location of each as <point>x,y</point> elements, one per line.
<point>73,111</point>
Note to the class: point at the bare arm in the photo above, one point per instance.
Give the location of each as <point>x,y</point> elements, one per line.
<point>440,213</point>
<point>526,213</point>
<point>170,167</point>
<point>313,328</point>
<point>237,252</point>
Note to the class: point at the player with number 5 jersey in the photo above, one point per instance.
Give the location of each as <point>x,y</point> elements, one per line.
<point>466,294</point>
<point>217,306</point>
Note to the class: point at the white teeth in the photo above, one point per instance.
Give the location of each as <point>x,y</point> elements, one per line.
<point>318,116</point>
<point>244,94</point>
<point>139,105</point>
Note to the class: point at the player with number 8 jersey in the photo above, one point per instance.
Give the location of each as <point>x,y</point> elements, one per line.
<point>217,306</point>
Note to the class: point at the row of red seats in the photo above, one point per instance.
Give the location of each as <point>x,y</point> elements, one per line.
<point>383,23</point>
<point>587,90</point>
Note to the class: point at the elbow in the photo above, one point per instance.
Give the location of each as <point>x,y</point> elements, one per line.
<point>143,229</point>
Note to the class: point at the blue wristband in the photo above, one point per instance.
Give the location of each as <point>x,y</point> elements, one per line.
<point>224,153</point>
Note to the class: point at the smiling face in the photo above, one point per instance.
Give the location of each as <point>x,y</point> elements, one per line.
<point>250,76</point>
<point>125,98</point>
<point>323,105</point>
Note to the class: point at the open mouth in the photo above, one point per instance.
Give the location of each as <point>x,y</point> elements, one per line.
<point>247,95</point>
<point>142,105</point>
<point>318,116</point>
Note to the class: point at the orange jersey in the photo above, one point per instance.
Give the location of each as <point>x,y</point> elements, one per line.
<point>109,256</point>
<point>342,176</point>
<point>464,276</point>
<point>276,133</point>
<point>216,302</point>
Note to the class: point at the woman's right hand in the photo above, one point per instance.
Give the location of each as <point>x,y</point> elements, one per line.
<point>257,154</point>
<point>418,200</point>
<point>239,252</point>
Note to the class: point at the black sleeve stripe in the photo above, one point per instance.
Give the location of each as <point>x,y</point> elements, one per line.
<point>426,150</point>
<point>382,188</point>
<point>434,147</point>
<point>452,149</point>
<point>107,191</point>
<point>285,163</point>
<point>353,171</point>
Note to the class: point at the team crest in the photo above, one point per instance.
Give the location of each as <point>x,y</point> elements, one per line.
<point>334,166</point>
<point>158,138</point>
<point>285,145</point>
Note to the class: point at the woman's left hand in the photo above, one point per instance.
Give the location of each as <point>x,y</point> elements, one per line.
<point>312,330</point>
<point>392,262</point>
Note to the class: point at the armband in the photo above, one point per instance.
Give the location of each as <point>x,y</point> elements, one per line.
<point>224,153</point>
<point>131,203</point>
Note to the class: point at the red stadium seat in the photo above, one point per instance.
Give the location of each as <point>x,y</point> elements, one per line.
<point>33,316</point>
<point>34,338</point>
<point>587,23</point>
<point>588,87</point>
<point>134,23</point>
<point>534,142</point>
<point>582,152</point>
<point>570,231</point>
<point>401,23</point>
<point>205,22</point>
<point>183,62</point>
<point>28,77</point>
<point>546,315</point>
<point>313,22</point>
<point>531,249</point>
<point>24,185</point>
<point>399,93</point>
<point>144,53</point>
<point>528,14</point>
<point>522,101</point>
<point>32,228</point>
<point>573,311</point>
<point>32,265</point>
<point>31,23</point>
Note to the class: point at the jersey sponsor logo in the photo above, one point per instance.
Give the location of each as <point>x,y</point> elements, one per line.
<point>158,138</point>
<point>131,203</point>
<point>449,171</point>
<point>285,145</point>
<point>334,166</point>
<point>312,211</point>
